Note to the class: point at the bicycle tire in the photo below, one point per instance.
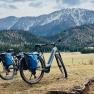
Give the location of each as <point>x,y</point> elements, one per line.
<point>35,80</point>
<point>61,65</point>
<point>7,76</point>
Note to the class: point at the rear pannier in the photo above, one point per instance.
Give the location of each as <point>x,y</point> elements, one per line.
<point>32,61</point>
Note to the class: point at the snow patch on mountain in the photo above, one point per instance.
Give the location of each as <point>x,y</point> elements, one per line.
<point>49,24</point>
<point>52,18</point>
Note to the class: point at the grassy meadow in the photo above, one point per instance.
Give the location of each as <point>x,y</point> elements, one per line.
<point>80,68</point>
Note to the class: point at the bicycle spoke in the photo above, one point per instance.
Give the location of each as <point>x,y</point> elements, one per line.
<point>30,76</point>
<point>40,69</point>
<point>35,77</point>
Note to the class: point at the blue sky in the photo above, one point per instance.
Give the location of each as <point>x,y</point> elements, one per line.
<point>21,8</point>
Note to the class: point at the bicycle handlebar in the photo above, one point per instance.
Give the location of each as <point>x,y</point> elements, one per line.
<point>38,46</point>
<point>50,44</point>
<point>44,45</point>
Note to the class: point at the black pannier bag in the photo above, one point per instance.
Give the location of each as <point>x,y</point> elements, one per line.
<point>24,64</point>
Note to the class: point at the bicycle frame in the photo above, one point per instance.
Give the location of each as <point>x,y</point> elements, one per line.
<point>51,57</point>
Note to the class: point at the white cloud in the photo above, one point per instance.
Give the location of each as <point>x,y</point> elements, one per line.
<point>38,7</point>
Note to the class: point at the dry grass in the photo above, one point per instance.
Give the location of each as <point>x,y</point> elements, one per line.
<point>80,68</point>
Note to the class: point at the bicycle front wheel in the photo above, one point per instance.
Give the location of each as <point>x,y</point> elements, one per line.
<point>6,73</point>
<point>27,74</point>
<point>61,65</point>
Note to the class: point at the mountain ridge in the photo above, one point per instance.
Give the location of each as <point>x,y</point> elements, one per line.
<point>72,39</point>
<point>77,37</point>
<point>49,24</point>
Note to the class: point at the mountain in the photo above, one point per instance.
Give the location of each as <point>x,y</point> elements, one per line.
<point>50,24</point>
<point>18,39</point>
<point>75,38</point>
<point>8,22</point>
<point>72,39</point>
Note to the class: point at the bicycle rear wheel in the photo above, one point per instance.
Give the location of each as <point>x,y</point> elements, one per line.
<point>61,65</point>
<point>6,73</point>
<point>27,74</point>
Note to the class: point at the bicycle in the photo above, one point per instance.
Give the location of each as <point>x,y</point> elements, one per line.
<point>8,71</point>
<point>42,67</point>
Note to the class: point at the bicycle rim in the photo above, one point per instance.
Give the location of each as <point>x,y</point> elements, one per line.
<point>6,74</point>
